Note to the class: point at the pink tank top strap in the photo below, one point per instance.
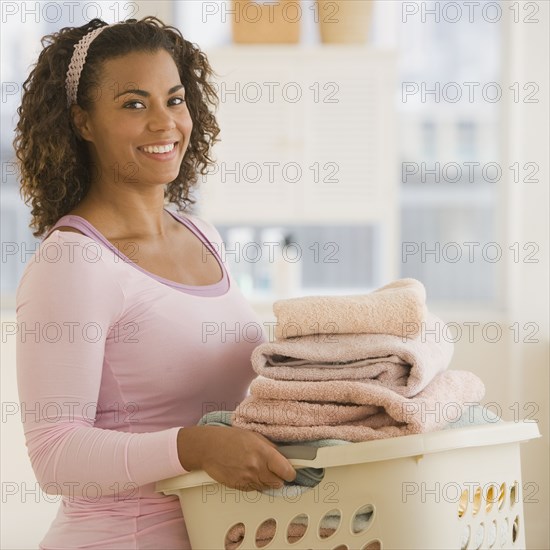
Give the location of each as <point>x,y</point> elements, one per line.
<point>193,227</point>
<point>90,231</point>
<point>78,223</point>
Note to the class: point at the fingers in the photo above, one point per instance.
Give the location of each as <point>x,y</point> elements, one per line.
<point>266,478</point>
<point>277,463</point>
<point>251,462</point>
<point>265,440</point>
<point>275,472</point>
<point>266,482</point>
<point>281,467</point>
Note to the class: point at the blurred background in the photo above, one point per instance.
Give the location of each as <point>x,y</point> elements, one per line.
<point>361,141</point>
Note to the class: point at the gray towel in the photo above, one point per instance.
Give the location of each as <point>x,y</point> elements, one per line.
<point>307,478</point>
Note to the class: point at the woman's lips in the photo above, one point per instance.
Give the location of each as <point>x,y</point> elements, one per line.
<point>162,157</point>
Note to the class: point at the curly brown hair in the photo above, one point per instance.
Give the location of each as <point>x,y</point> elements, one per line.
<point>55,168</point>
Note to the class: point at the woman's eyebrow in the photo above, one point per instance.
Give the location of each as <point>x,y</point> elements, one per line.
<point>143,93</point>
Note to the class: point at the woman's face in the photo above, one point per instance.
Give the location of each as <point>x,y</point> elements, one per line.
<point>140,104</point>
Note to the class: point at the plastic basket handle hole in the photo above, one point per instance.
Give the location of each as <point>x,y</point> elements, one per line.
<point>373,545</point>
<point>477,501</point>
<point>515,529</point>
<point>265,532</point>
<point>234,537</point>
<point>330,523</point>
<point>297,528</point>
<point>363,518</point>
<point>501,495</point>
<point>514,494</point>
<point>463,503</point>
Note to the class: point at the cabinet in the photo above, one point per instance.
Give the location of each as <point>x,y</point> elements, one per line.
<point>308,135</point>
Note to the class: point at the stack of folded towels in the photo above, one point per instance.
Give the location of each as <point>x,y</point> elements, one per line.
<point>352,368</point>
<point>356,368</point>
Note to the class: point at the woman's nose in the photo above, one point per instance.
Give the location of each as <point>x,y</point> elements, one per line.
<point>160,118</point>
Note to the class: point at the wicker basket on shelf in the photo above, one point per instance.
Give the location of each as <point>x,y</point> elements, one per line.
<point>344,21</point>
<point>260,22</point>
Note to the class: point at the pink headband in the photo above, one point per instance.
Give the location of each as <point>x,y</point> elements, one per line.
<point>77,63</point>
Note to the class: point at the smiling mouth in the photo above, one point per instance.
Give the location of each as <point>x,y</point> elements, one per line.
<point>159,149</point>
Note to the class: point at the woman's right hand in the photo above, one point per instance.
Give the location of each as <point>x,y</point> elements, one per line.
<point>241,459</point>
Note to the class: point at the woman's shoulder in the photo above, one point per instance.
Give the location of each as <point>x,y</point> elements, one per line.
<point>68,265</point>
<point>68,229</point>
<point>72,222</point>
<point>69,255</point>
<point>193,216</point>
<point>202,223</point>
<point>67,235</point>
<point>67,249</point>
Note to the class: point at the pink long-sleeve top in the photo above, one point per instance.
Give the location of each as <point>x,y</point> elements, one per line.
<point>112,361</point>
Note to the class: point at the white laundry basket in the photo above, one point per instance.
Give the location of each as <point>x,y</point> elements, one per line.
<point>457,488</point>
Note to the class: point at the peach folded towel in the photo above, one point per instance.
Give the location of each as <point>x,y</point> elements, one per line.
<point>397,308</point>
<point>443,400</point>
<point>404,365</point>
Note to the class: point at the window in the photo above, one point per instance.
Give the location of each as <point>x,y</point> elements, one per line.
<point>449,145</point>
<point>24,24</point>
<point>270,262</point>
<point>445,152</point>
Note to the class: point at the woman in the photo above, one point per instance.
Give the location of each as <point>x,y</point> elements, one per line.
<point>126,309</point>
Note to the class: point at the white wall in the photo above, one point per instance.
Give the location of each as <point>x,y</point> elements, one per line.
<point>528,285</point>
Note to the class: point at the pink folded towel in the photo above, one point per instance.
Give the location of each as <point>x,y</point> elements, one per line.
<point>304,413</point>
<point>396,308</point>
<point>404,365</point>
<point>443,400</point>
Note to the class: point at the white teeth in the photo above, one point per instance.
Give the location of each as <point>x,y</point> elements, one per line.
<point>159,148</point>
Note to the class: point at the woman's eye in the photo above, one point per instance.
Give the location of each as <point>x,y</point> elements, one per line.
<point>126,105</point>
<point>173,101</point>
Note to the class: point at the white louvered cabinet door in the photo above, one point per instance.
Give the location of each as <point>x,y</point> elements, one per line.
<point>258,140</point>
<point>317,126</point>
<point>349,136</point>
